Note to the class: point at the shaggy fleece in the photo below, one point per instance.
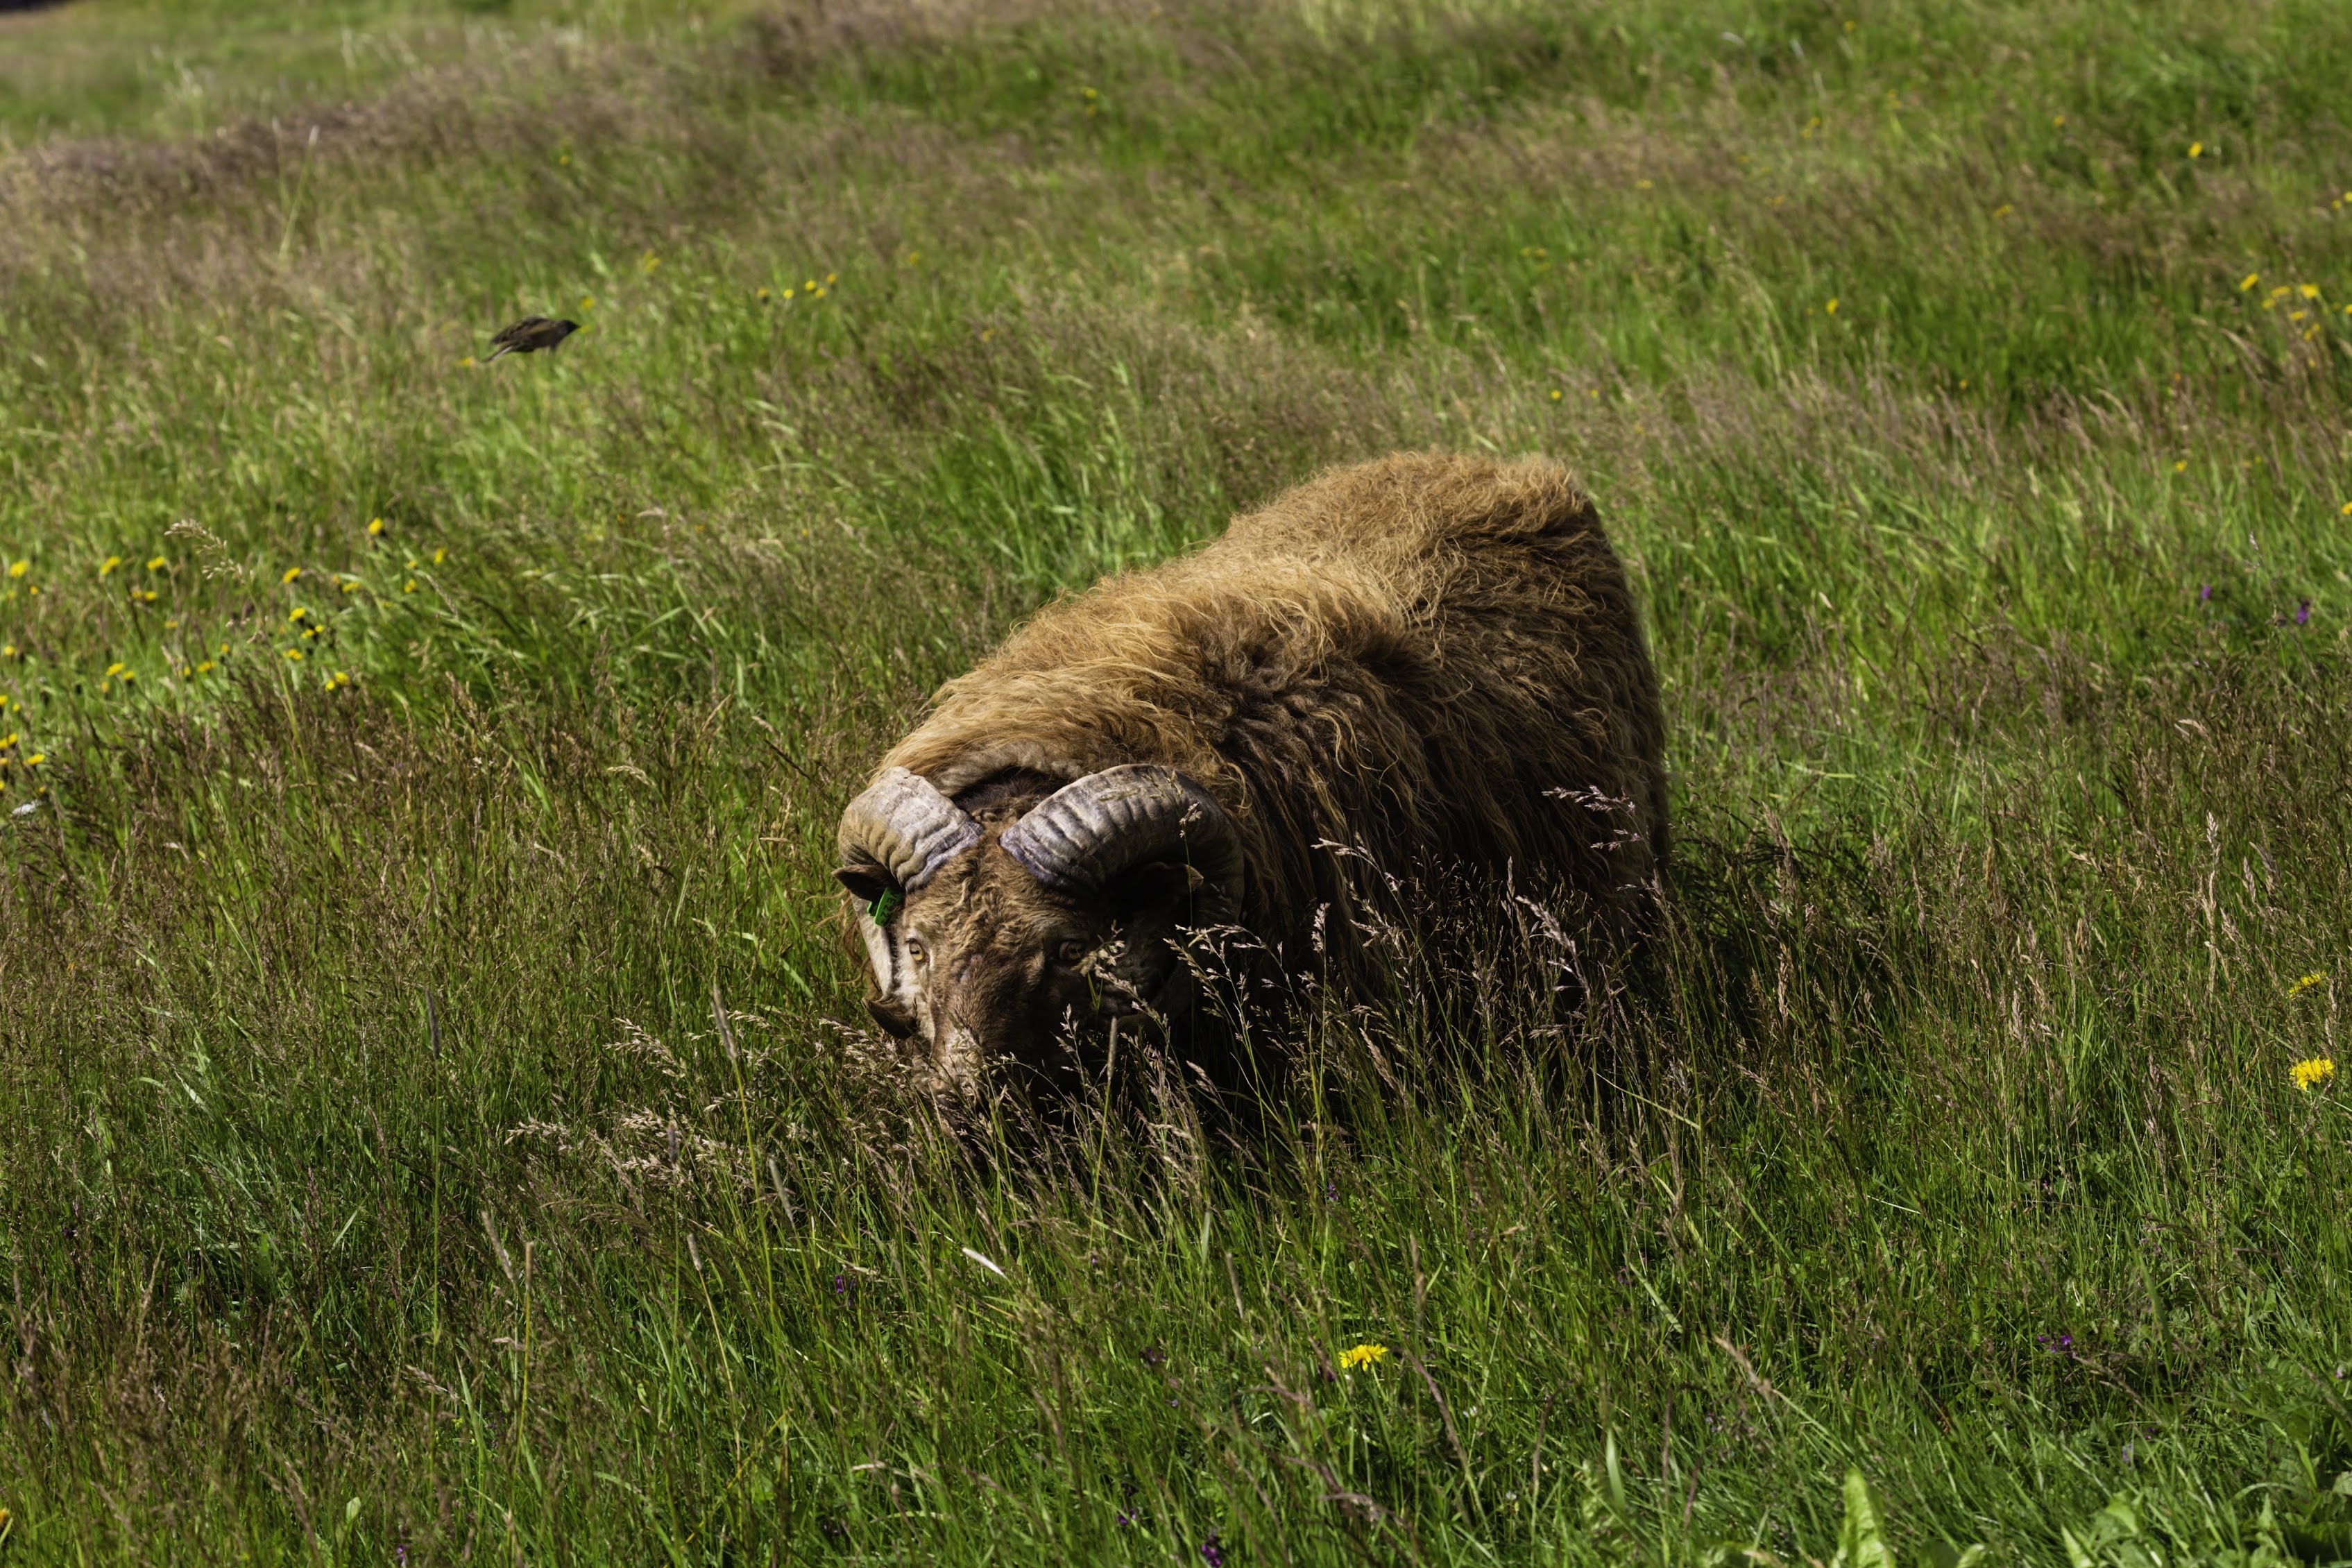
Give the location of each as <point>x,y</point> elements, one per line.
<point>1427,656</point>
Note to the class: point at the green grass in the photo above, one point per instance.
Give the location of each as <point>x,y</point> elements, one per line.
<point>379,1176</point>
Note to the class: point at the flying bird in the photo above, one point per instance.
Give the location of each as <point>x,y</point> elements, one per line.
<point>529,335</point>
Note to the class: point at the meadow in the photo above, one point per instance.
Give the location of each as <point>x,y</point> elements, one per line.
<point>439,1125</point>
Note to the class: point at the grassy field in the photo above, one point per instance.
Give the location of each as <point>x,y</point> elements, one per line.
<point>431,1136</point>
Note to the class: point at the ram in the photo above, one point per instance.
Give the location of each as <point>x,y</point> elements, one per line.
<point>1426,660</point>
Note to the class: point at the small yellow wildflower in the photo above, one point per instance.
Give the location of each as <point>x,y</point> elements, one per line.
<point>2310,1074</point>
<point>2196,149</point>
<point>1362,1355</point>
<point>1831,308</point>
<point>788,293</point>
<point>2308,291</point>
<point>113,669</point>
<point>2057,119</point>
<point>763,295</point>
<point>466,362</point>
<point>587,302</point>
<point>1555,395</point>
<point>2003,210</point>
<point>295,654</point>
<point>291,572</point>
<point>350,584</point>
<point>2347,509</point>
<point>2181,466</point>
<point>440,556</point>
<point>2315,979</point>
<point>650,262</point>
<point>37,759</point>
<point>2248,282</point>
<point>831,276</point>
<point>409,586</point>
<point>108,564</point>
<point>18,568</point>
<point>1645,185</point>
<point>155,564</point>
<point>299,616</point>
<point>205,668</point>
<point>376,526</point>
<point>7,650</point>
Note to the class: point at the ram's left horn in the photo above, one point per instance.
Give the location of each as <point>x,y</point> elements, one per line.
<point>1085,835</point>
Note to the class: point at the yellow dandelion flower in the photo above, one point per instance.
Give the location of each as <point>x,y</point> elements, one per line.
<point>2311,1073</point>
<point>113,669</point>
<point>2347,509</point>
<point>587,302</point>
<point>299,615</point>
<point>295,654</point>
<point>155,564</point>
<point>37,759</point>
<point>788,293</point>
<point>108,564</point>
<point>1555,395</point>
<point>291,572</point>
<point>7,650</point>
<point>2308,291</point>
<point>440,556</point>
<point>2003,210</point>
<point>1831,308</point>
<point>375,526</point>
<point>18,568</point>
<point>2181,466</point>
<point>351,585</point>
<point>832,277</point>
<point>2057,119</point>
<point>2248,282</point>
<point>1362,1355</point>
<point>2310,982</point>
<point>763,295</point>
<point>2196,149</point>
<point>205,668</point>
<point>465,363</point>
<point>409,586</point>
<point>650,262</point>
<point>810,284</point>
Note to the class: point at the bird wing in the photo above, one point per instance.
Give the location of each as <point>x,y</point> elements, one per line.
<point>521,333</point>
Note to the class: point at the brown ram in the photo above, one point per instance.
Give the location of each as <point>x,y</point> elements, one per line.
<point>1426,656</point>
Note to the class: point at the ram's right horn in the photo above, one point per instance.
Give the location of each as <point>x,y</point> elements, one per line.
<point>904,825</point>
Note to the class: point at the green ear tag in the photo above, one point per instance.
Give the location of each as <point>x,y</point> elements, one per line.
<point>883,908</point>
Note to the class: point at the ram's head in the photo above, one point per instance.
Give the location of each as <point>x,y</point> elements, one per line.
<point>996,932</point>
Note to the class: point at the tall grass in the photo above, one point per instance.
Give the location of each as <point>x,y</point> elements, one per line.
<point>438,1125</point>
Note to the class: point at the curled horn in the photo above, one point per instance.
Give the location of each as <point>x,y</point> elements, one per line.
<point>1079,838</point>
<point>907,826</point>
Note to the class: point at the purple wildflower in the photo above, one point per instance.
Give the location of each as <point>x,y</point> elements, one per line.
<point>1213,1551</point>
<point>2205,594</point>
<point>842,1286</point>
<point>2302,614</point>
<point>1155,1356</point>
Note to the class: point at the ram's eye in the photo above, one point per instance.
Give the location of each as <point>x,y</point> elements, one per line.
<point>1070,951</point>
<point>917,951</point>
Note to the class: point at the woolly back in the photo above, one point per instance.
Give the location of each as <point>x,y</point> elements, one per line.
<point>1424,655</point>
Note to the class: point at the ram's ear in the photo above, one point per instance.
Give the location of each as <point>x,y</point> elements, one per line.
<point>1157,886</point>
<point>866,883</point>
<point>889,1017</point>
